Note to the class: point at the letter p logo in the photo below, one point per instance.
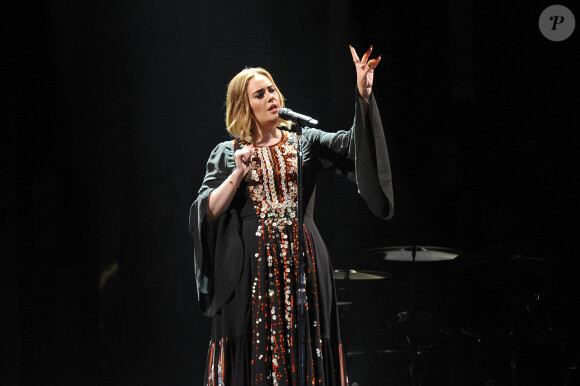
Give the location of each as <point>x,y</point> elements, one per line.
<point>557,20</point>
<point>557,23</point>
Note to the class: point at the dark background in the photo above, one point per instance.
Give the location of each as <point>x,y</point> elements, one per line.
<point>112,108</point>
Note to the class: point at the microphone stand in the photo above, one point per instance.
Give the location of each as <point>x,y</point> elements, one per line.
<point>301,290</point>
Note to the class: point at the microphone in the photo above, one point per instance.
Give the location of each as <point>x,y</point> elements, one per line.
<point>297,118</point>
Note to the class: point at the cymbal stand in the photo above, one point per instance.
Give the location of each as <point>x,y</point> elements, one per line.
<point>512,325</point>
<point>512,344</point>
<point>412,340</point>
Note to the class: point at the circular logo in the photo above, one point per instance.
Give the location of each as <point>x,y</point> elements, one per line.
<point>557,23</point>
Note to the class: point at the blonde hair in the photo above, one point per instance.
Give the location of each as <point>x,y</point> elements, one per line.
<point>240,120</point>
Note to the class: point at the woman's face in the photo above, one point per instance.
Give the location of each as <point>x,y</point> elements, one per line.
<point>264,101</point>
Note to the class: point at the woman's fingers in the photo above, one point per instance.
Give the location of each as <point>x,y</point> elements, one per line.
<point>366,55</point>
<point>373,63</point>
<point>248,153</point>
<point>365,62</point>
<point>244,155</point>
<point>355,58</point>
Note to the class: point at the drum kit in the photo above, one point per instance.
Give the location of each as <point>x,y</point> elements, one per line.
<point>440,316</point>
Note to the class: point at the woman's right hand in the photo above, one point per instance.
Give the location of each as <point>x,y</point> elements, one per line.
<point>221,198</point>
<point>243,159</point>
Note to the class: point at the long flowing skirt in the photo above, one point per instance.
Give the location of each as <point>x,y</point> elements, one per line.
<point>256,333</point>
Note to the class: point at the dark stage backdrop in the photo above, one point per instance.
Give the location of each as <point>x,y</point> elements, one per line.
<point>114,106</point>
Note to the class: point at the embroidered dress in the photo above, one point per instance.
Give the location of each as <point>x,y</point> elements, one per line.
<point>247,262</point>
<point>272,185</point>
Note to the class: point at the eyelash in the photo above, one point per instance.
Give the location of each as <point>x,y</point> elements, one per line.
<point>261,95</point>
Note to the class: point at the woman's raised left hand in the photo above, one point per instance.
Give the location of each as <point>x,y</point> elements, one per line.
<point>365,70</point>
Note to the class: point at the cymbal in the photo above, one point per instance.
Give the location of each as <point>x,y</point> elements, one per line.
<point>530,259</point>
<point>352,274</point>
<point>422,253</point>
<point>513,269</point>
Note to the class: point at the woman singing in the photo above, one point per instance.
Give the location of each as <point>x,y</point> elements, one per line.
<point>245,230</point>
